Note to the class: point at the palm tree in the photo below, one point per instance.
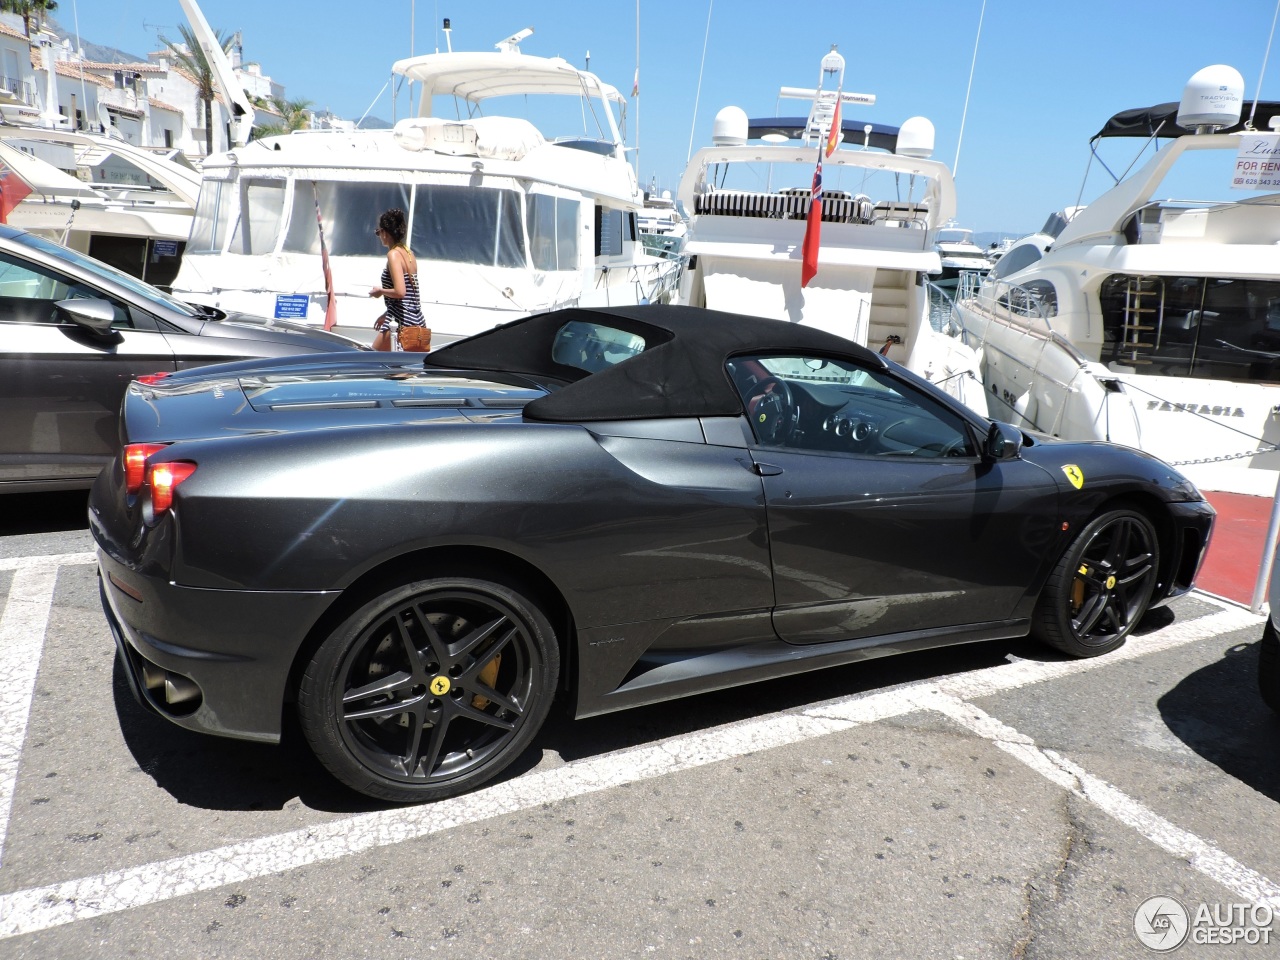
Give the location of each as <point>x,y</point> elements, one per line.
<point>189,56</point>
<point>31,11</point>
<point>294,115</point>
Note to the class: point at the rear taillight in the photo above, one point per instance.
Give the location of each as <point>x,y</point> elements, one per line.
<point>150,378</point>
<point>135,464</point>
<point>164,477</point>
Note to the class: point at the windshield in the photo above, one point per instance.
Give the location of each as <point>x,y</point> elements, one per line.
<point>132,284</point>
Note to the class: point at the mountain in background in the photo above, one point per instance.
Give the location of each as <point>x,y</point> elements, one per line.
<point>93,51</point>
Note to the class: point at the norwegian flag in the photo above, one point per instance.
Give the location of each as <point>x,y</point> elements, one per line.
<point>812,228</point>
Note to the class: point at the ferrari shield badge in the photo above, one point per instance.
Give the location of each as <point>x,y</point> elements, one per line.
<point>1074,475</point>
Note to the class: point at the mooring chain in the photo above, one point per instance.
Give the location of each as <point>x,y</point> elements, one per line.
<point>1226,426</point>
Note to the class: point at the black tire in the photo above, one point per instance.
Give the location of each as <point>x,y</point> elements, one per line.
<point>404,702</point>
<point>1269,667</point>
<point>1101,586</point>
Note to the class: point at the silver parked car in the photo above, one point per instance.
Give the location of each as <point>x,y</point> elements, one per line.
<point>74,332</point>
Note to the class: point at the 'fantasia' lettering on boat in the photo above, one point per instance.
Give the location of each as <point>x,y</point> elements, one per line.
<point>1164,406</point>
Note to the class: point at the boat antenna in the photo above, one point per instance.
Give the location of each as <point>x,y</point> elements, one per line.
<point>698,92</point>
<point>972,65</point>
<point>635,90</point>
<point>1257,93</point>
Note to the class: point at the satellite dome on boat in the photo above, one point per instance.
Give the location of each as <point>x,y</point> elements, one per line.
<point>1212,99</point>
<point>915,138</point>
<point>730,128</point>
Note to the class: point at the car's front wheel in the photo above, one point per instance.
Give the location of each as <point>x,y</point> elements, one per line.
<point>430,689</point>
<point>1101,586</point>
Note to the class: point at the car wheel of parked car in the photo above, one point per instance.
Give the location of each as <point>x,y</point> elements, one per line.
<point>431,689</point>
<point>1269,667</point>
<point>1101,586</point>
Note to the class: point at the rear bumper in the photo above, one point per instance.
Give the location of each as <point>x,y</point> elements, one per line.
<point>236,646</point>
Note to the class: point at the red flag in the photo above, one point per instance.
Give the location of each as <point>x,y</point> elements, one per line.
<point>13,190</point>
<point>833,135</point>
<point>331,308</point>
<point>812,228</point>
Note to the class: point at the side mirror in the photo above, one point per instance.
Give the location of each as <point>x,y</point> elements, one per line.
<point>1004,442</point>
<point>96,316</point>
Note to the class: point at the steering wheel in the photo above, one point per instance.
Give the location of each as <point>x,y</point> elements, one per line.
<point>771,408</point>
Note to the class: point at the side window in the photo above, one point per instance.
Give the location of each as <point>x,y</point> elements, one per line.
<point>28,294</point>
<point>825,405</point>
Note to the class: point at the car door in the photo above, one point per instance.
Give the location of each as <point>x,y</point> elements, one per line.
<point>883,518</point>
<point>61,384</point>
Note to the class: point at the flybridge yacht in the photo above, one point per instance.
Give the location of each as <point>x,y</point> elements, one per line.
<point>1154,322</point>
<point>960,255</point>
<point>748,196</point>
<point>513,178</point>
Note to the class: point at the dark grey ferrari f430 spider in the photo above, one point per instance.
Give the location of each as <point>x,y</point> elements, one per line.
<point>604,507</point>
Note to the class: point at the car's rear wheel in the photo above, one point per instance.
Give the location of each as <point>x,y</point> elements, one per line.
<point>1101,586</point>
<point>1269,667</point>
<point>430,689</point>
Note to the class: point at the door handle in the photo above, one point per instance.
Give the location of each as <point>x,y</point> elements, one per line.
<point>766,469</point>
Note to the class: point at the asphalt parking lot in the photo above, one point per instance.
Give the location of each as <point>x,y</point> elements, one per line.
<point>993,800</point>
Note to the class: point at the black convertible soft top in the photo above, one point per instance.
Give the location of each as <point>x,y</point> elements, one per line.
<point>681,372</point>
<point>1162,121</point>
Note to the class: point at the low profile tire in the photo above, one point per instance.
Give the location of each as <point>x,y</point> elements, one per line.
<point>431,689</point>
<point>1269,667</point>
<point>1101,586</point>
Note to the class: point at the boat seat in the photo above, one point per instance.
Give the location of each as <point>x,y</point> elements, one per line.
<point>894,213</point>
<point>790,204</point>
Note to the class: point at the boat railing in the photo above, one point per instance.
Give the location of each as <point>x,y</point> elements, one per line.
<point>1028,309</point>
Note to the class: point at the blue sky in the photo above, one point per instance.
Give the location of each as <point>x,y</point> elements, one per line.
<point>1048,74</point>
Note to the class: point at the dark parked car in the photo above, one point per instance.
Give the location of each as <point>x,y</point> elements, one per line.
<point>613,507</point>
<point>73,333</point>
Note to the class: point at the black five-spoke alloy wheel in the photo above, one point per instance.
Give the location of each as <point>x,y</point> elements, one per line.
<point>431,689</point>
<point>1101,586</point>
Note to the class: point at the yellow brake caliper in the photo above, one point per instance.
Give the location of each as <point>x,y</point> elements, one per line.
<point>1077,589</point>
<point>488,676</point>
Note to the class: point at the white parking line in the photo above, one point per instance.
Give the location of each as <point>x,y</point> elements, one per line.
<point>1244,882</point>
<point>38,908</point>
<point>22,630</point>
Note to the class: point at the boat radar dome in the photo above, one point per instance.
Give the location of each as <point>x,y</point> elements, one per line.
<point>915,138</point>
<point>1212,99</point>
<point>730,128</point>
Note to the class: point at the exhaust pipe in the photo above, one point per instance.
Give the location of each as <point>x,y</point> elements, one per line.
<point>168,689</point>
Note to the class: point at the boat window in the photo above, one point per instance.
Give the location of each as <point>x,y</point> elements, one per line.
<point>610,225</point>
<point>832,406</point>
<point>467,225</point>
<point>261,212</point>
<point>594,346</point>
<point>213,212</point>
<point>1020,256</point>
<point>1208,328</point>
<point>350,211</point>
<point>553,232</point>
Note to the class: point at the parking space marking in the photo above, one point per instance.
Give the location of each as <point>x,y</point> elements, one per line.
<point>1244,882</point>
<point>39,908</point>
<point>22,629</point>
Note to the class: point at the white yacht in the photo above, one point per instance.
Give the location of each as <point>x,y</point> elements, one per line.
<point>960,255</point>
<point>1150,321</point>
<point>122,204</point>
<point>748,196</point>
<point>506,217</point>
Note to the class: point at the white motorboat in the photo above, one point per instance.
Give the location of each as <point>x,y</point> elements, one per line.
<point>506,217</point>
<point>882,203</point>
<point>1153,322</point>
<point>960,255</point>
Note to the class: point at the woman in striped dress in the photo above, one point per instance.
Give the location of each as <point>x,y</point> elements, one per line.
<point>399,288</point>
